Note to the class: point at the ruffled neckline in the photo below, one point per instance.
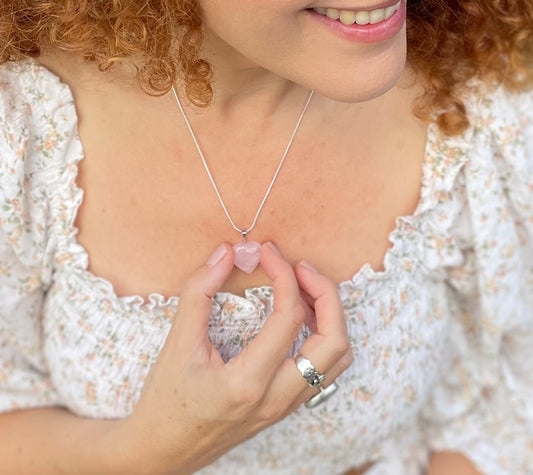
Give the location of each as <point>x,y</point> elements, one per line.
<point>437,178</point>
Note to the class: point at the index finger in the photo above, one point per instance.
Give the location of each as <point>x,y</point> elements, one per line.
<point>329,312</point>
<point>269,348</point>
<point>195,304</point>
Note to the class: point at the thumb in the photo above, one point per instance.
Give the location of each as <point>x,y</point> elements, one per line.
<point>195,302</point>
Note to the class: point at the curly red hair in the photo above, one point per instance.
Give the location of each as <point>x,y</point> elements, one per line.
<point>449,42</point>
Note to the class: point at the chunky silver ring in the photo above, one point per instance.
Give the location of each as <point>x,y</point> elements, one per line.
<point>324,394</point>
<point>311,375</point>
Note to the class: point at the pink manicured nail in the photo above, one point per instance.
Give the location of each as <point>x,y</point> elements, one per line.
<point>308,266</point>
<point>219,253</point>
<point>272,246</point>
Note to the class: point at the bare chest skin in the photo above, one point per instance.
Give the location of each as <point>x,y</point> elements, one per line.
<point>150,216</point>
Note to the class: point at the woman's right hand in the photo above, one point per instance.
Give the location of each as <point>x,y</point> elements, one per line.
<point>194,407</point>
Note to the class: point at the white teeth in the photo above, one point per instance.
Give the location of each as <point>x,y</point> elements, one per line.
<point>362,18</point>
<point>376,16</point>
<point>389,11</point>
<point>333,13</point>
<point>349,17</point>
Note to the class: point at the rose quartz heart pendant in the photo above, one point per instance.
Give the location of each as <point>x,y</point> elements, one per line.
<point>247,256</point>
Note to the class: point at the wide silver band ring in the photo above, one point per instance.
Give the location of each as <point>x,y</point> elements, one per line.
<point>308,371</point>
<point>324,394</point>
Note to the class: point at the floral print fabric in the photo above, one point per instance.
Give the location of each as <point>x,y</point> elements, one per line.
<point>440,337</point>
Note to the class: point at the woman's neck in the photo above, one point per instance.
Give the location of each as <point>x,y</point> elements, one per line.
<point>243,87</point>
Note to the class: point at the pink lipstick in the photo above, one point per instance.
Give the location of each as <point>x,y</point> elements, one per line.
<point>369,33</point>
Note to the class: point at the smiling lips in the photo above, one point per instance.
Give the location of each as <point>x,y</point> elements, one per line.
<point>363,17</point>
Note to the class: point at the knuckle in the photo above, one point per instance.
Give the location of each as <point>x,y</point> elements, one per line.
<point>345,346</point>
<point>299,315</point>
<point>329,287</point>
<point>347,359</point>
<point>194,293</point>
<point>192,286</point>
<point>340,348</point>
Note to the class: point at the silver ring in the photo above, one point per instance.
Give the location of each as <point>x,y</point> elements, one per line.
<point>324,394</point>
<point>310,374</point>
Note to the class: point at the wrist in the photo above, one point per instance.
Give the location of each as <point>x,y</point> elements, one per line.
<point>133,449</point>
<point>127,449</point>
<point>109,450</point>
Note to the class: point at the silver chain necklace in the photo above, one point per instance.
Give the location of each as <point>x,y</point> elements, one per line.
<point>247,254</point>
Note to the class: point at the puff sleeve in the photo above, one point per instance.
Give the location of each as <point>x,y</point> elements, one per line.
<point>483,406</point>
<point>29,149</point>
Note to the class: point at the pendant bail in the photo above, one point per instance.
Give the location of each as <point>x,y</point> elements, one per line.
<point>244,233</point>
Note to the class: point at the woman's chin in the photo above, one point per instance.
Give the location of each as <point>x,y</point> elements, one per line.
<point>361,95</point>
<point>357,81</point>
<point>361,90</point>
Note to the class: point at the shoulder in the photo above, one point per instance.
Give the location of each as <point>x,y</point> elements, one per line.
<point>503,115</point>
<point>493,224</point>
<point>37,120</point>
<point>36,112</point>
<point>28,85</point>
<point>39,148</point>
<point>500,138</point>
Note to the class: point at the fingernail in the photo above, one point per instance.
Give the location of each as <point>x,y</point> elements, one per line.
<point>308,266</point>
<point>272,246</point>
<point>219,253</point>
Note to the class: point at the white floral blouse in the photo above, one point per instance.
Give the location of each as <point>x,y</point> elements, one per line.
<point>442,338</point>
